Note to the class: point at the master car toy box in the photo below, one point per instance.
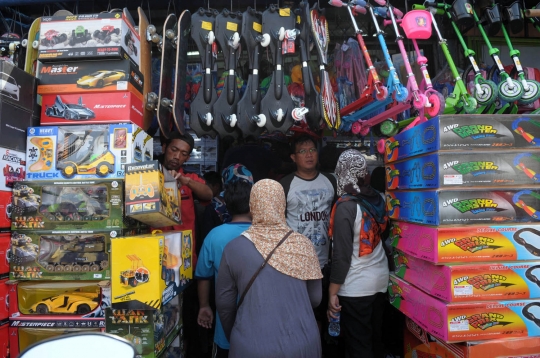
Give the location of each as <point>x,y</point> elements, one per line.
<point>454,132</point>
<point>464,169</point>
<point>68,205</point>
<point>152,194</point>
<point>471,282</point>
<point>477,243</point>
<point>464,207</point>
<point>88,37</point>
<point>85,152</point>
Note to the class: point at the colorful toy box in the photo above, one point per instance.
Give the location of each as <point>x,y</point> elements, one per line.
<point>150,331</point>
<point>460,322</point>
<point>13,165</point>
<point>5,209</point>
<point>471,131</point>
<point>4,340</point>
<point>464,207</point>
<point>68,205</point>
<point>152,194</point>
<point>464,169</point>
<point>5,240</point>
<point>149,270</point>
<point>471,282</point>
<point>454,244</point>
<point>17,87</point>
<point>4,301</point>
<point>13,124</point>
<point>85,152</point>
<point>88,37</point>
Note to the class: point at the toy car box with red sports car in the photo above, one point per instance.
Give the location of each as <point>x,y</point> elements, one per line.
<point>87,37</point>
<point>13,165</point>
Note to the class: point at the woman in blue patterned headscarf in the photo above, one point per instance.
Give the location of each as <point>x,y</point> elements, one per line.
<point>231,174</point>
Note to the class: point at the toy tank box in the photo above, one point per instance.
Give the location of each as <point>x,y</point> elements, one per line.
<point>150,331</point>
<point>5,209</point>
<point>461,322</point>
<point>17,87</point>
<point>470,131</point>
<point>5,242</point>
<point>149,270</point>
<point>88,37</point>
<point>69,255</point>
<point>152,195</point>
<point>464,207</point>
<point>464,169</point>
<point>471,282</point>
<point>13,164</point>
<point>85,152</point>
<point>13,124</point>
<point>454,244</point>
<point>68,205</point>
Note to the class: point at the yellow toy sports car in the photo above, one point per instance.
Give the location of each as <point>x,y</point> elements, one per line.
<point>68,303</point>
<point>102,78</point>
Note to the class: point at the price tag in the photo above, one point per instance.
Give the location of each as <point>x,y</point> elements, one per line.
<point>463,290</point>
<point>459,326</point>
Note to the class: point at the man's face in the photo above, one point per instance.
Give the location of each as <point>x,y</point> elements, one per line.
<point>305,156</point>
<point>176,154</point>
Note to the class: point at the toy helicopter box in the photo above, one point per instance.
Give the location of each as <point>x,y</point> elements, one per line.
<point>470,131</point>
<point>471,321</point>
<point>85,152</point>
<point>13,124</point>
<point>17,87</point>
<point>149,270</point>
<point>464,207</point>
<point>150,331</point>
<point>464,169</point>
<point>60,255</point>
<point>88,37</point>
<point>454,244</point>
<point>152,194</point>
<point>471,282</point>
<point>68,205</point>
<point>13,165</point>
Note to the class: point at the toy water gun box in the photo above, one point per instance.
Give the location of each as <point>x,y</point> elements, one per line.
<point>471,131</point>
<point>454,244</point>
<point>471,321</point>
<point>85,152</point>
<point>464,169</point>
<point>464,207</point>
<point>471,282</point>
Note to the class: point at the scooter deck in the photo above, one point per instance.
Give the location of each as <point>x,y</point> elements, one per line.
<point>224,109</point>
<point>179,99</point>
<point>202,25</point>
<point>165,81</point>
<point>145,66</point>
<point>30,63</point>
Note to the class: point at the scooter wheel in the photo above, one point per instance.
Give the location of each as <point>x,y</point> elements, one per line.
<point>489,93</point>
<point>532,94</point>
<point>402,94</point>
<point>383,93</point>
<point>24,43</point>
<point>421,102</point>
<point>510,94</point>
<point>356,128</point>
<point>470,105</point>
<point>381,146</point>
<point>437,104</point>
<point>389,128</point>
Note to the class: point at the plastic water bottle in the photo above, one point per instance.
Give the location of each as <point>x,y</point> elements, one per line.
<point>333,326</point>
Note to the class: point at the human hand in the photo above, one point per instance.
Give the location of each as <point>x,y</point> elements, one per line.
<point>205,317</point>
<point>179,177</point>
<point>333,307</point>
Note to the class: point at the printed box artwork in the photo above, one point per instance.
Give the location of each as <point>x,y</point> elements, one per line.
<point>471,131</point>
<point>464,169</point>
<point>90,36</point>
<point>471,282</point>
<point>13,124</point>
<point>5,241</point>
<point>5,209</point>
<point>13,165</point>
<point>460,322</point>
<point>17,86</point>
<point>4,340</point>
<point>85,152</point>
<point>464,207</point>
<point>4,301</point>
<point>442,245</point>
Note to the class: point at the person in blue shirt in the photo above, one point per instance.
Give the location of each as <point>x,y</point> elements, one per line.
<point>238,181</point>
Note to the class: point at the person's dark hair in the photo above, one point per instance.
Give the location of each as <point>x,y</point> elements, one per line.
<point>237,197</point>
<point>212,178</point>
<point>184,137</point>
<point>378,179</point>
<point>304,138</point>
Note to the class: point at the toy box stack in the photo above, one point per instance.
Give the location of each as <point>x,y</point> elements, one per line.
<point>462,195</point>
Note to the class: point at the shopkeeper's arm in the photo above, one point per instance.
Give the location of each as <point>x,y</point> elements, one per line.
<point>200,189</point>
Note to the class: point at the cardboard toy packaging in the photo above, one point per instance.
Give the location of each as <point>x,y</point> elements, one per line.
<point>5,241</point>
<point>4,340</point>
<point>464,207</point>
<point>5,209</point>
<point>471,321</point>
<point>478,243</point>
<point>471,282</point>
<point>88,37</point>
<point>13,165</point>
<point>17,87</point>
<point>4,301</point>
<point>471,131</point>
<point>85,152</point>
<point>464,169</point>
<point>13,124</point>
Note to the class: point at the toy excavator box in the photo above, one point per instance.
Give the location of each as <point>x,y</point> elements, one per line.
<point>146,270</point>
<point>85,152</point>
<point>152,195</point>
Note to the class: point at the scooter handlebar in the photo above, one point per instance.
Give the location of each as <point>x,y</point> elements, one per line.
<point>389,22</point>
<point>361,3</point>
<point>532,13</point>
<point>381,11</point>
<point>359,10</point>
<point>432,9</point>
<point>418,7</point>
<point>381,2</point>
<point>397,12</point>
<point>337,3</point>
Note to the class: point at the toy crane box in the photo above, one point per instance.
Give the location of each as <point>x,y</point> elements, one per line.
<point>458,132</point>
<point>471,282</point>
<point>85,152</point>
<point>60,255</point>
<point>149,270</point>
<point>88,37</point>
<point>454,244</point>
<point>68,205</point>
<point>152,194</point>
